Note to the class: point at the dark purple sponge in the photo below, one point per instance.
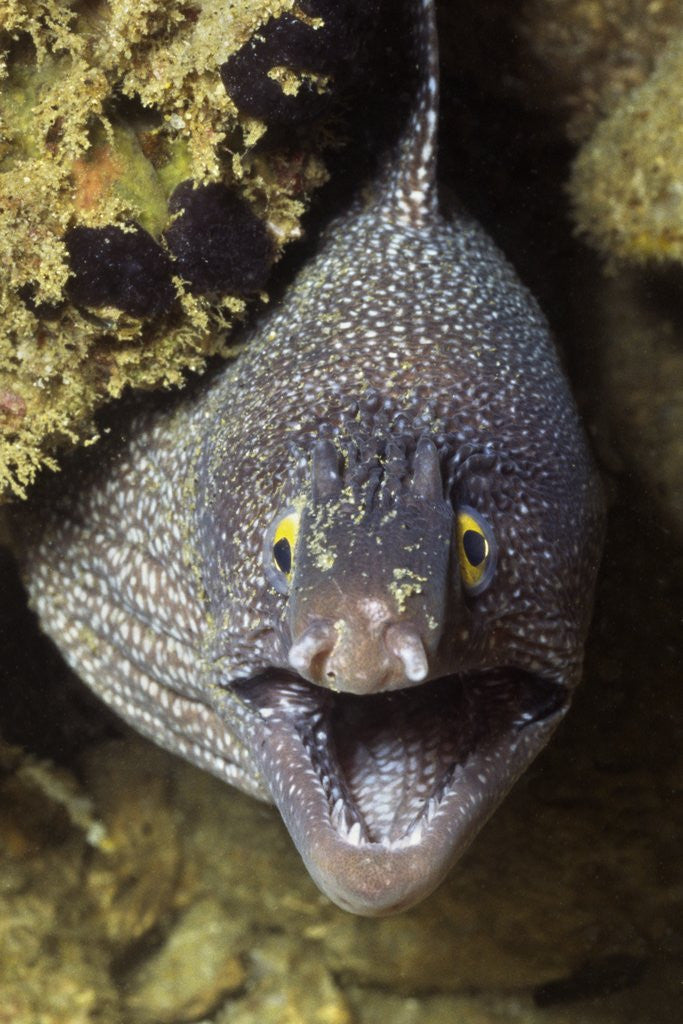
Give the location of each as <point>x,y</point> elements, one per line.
<point>219,245</point>
<point>286,41</point>
<point>124,269</point>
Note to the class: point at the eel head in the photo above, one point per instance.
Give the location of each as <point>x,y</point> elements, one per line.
<point>429,647</point>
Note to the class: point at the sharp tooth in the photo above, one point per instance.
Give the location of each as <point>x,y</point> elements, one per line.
<point>432,808</point>
<point>336,814</point>
<point>354,834</point>
<point>416,835</point>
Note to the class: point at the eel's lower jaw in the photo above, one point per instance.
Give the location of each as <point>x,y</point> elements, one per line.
<point>382,794</point>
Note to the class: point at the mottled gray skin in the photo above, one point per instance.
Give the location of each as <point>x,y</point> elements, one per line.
<point>384,705</point>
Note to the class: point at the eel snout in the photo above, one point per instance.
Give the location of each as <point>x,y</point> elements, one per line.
<point>363,652</point>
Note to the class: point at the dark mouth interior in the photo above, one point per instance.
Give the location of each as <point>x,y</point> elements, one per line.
<point>386,761</point>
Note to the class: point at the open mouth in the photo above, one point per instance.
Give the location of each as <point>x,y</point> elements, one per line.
<point>382,792</point>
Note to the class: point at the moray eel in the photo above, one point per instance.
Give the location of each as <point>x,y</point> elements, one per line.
<point>353,573</point>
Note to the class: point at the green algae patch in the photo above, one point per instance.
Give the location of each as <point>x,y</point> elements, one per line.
<point>105,109</point>
<point>627,181</point>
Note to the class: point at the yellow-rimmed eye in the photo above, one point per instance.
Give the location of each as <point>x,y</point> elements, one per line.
<point>279,549</point>
<point>284,542</point>
<point>476,550</point>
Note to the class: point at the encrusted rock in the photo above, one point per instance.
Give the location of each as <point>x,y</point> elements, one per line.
<point>199,964</point>
<point>105,110</point>
<point>133,877</point>
<point>627,182</point>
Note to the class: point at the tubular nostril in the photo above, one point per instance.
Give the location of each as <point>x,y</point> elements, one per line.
<point>405,643</point>
<point>360,659</point>
<point>308,653</point>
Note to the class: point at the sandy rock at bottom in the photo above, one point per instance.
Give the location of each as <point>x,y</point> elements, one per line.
<point>132,876</point>
<point>198,965</point>
<point>50,972</point>
<point>288,986</point>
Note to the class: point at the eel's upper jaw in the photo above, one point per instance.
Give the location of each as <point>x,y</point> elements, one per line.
<point>382,794</point>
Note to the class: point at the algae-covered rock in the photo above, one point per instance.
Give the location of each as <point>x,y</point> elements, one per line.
<point>132,798</point>
<point>573,59</point>
<point>627,182</point>
<point>196,968</point>
<point>581,57</point>
<point>373,1007</point>
<point>289,986</point>
<point>113,119</point>
<point>45,931</point>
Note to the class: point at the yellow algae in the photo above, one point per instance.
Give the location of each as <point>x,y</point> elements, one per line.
<point>116,176</point>
<point>104,109</point>
<point>407,583</point>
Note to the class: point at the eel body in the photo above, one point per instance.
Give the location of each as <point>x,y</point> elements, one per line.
<point>352,575</point>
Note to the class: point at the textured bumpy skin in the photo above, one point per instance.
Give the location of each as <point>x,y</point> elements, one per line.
<point>375,689</point>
